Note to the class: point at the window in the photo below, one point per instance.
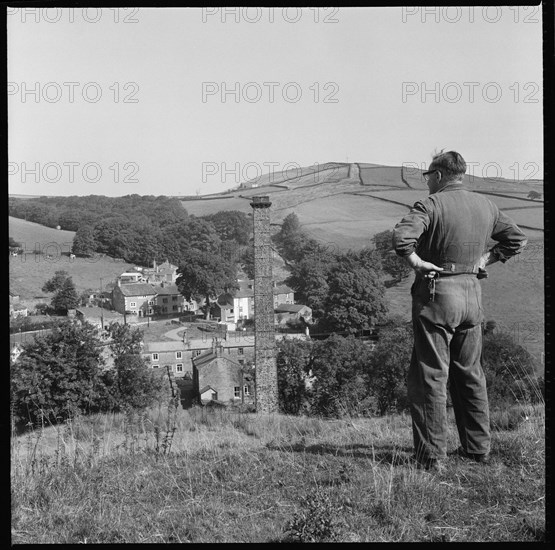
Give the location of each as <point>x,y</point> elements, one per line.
<point>246,390</point>
<point>150,311</point>
<point>241,362</point>
<point>174,308</point>
<point>155,357</point>
<point>151,302</point>
<point>237,392</point>
<point>178,354</point>
<point>179,367</point>
<point>240,351</point>
<point>132,304</point>
<point>215,396</point>
<point>155,366</point>
<point>164,300</point>
<point>174,298</point>
<point>197,352</point>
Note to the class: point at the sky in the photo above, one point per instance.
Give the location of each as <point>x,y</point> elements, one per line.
<point>193,101</point>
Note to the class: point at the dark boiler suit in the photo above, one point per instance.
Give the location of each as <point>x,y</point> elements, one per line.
<point>451,228</point>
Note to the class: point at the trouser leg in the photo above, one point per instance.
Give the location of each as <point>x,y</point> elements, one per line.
<point>467,384</point>
<point>427,388</point>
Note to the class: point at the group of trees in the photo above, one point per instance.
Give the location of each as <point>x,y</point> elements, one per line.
<point>345,290</point>
<point>139,229</point>
<point>341,375</point>
<point>64,373</point>
<point>70,213</point>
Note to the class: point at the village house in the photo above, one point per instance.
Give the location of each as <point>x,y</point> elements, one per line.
<point>169,300</point>
<point>231,308</point>
<point>163,273</point>
<point>283,295</point>
<point>98,316</point>
<point>134,300</point>
<point>133,275</point>
<point>292,312</point>
<point>17,308</point>
<point>161,355</point>
<point>217,377</point>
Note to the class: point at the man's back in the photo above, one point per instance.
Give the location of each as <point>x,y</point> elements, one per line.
<point>452,228</point>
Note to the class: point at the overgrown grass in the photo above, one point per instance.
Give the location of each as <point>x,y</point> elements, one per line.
<point>242,477</point>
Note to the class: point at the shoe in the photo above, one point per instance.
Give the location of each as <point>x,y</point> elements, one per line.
<point>483,458</point>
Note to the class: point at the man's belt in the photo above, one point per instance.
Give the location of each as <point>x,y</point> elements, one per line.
<point>450,268</point>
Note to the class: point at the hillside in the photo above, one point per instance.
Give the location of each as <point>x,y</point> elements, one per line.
<point>246,478</point>
<point>28,272</point>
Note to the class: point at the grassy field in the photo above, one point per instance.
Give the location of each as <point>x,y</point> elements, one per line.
<point>326,219</point>
<point>29,272</point>
<point>211,476</point>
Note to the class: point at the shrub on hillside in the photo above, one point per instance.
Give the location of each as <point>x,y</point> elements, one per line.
<point>390,361</point>
<point>293,364</point>
<point>58,375</point>
<point>511,372</point>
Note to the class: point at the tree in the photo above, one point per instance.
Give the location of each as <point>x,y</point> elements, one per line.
<point>291,240</point>
<point>247,261</point>
<point>59,375</point>
<point>124,339</point>
<point>392,264</point>
<point>135,385</point>
<point>13,244</point>
<point>534,195</point>
<point>232,225</point>
<point>66,298</point>
<point>293,364</point>
<point>309,280</point>
<point>356,295</point>
<point>389,362</point>
<point>65,295</point>
<point>204,275</point>
<point>341,367</point>
<point>57,282</point>
<point>510,370</point>
<point>84,242</point>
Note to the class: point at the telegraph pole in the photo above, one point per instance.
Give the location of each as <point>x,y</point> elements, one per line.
<point>101,306</point>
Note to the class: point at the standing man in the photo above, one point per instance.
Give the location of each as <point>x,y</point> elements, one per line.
<point>445,239</point>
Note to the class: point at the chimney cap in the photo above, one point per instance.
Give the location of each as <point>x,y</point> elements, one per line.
<point>260,201</point>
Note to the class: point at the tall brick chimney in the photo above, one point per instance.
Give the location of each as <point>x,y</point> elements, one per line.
<point>266,393</point>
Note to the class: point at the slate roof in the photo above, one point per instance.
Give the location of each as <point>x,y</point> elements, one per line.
<point>210,355</point>
<point>137,289</point>
<point>96,312</point>
<point>158,347</point>
<point>282,289</point>
<point>289,308</point>
<point>166,290</point>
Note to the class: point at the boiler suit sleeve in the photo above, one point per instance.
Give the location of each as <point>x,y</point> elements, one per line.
<point>407,232</point>
<point>510,239</point>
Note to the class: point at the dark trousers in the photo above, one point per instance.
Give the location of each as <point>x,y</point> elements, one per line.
<point>447,346</point>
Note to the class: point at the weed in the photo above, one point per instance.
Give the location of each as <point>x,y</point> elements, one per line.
<point>316,521</point>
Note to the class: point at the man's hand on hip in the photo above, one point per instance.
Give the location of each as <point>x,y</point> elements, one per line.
<point>422,267</point>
